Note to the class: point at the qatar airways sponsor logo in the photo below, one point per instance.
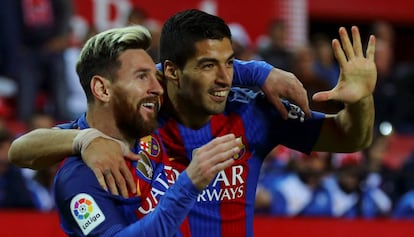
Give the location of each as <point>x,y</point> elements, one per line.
<point>158,189</point>
<point>225,186</point>
<point>228,186</point>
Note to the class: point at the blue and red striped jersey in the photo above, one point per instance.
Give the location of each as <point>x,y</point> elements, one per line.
<point>85,208</point>
<point>226,206</point>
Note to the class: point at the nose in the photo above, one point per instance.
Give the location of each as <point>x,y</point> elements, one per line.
<point>225,73</point>
<point>156,88</point>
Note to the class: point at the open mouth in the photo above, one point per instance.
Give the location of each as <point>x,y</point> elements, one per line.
<point>153,105</point>
<point>219,96</point>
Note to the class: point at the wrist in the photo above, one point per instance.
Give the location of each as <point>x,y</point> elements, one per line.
<point>85,136</point>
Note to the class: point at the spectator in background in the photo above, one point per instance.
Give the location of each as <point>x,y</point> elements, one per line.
<point>299,192</point>
<point>242,45</point>
<point>386,91</point>
<point>10,38</point>
<point>80,32</point>
<point>138,16</point>
<point>273,49</point>
<point>40,182</point>
<point>351,196</point>
<point>379,174</point>
<point>404,208</point>
<point>404,108</point>
<point>325,64</point>
<point>14,192</point>
<point>44,25</point>
<point>303,62</point>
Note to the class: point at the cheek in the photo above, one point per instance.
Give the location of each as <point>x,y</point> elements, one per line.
<point>190,86</point>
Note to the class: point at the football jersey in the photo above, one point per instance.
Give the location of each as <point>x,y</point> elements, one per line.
<point>226,206</point>
<point>87,209</point>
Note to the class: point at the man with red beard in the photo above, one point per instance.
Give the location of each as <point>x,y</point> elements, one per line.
<point>123,93</point>
<point>199,68</point>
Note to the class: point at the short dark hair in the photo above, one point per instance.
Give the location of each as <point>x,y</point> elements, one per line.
<point>181,31</point>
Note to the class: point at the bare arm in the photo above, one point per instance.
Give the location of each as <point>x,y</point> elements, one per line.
<point>41,148</point>
<point>352,128</point>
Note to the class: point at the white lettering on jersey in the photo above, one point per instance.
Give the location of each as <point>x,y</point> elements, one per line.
<point>229,187</point>
<point>156,194</point>
<point>225,186</point>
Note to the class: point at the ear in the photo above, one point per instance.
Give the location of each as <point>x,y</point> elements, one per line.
<point>100,88</point>
<point>171,72</point>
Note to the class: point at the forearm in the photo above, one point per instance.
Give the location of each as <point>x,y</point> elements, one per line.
<point>167,217</point>
<point>41,148</point>
<point>350,130</point>
<point>357,122</point>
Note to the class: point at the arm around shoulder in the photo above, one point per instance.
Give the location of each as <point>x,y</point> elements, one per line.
<point>42,147</point>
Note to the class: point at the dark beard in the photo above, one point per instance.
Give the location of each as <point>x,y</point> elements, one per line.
<point>129,121</point>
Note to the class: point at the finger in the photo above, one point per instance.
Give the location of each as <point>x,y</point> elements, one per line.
<point>217,142</point>
<point>128,179</point>
<point>338,52</point>
<point>224,151</point>
<point>101,179</point>
<point>371,48</point>
<point>120,183</point>
<point>110,181</point>
<point>346,43</point>
<point>127,173</point>
<point>356,39</point>
<point>303,103</point>
<point>323,96</point>
<point>224,165</point>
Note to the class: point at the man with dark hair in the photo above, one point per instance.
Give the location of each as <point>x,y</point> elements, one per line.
<point>123,94</point>
<point>200,104</point>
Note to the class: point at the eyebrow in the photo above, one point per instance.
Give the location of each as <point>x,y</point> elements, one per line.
<point>141,70</point>
<point>203,60</point>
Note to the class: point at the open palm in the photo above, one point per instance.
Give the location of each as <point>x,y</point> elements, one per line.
<point>358,74</point>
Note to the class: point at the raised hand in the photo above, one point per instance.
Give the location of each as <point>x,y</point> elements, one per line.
<point>358,74</point>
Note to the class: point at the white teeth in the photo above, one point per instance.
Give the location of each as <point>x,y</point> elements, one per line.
<point>220,93</point>
<point>148,105</point>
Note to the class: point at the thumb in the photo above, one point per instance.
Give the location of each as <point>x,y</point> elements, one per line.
<point>322,96</point>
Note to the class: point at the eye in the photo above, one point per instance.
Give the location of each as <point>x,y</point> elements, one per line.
<point>142,75</point>
<point>207,66</point>
<point>230,63</point>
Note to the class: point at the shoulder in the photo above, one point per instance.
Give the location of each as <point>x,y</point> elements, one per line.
<point>74,173</point>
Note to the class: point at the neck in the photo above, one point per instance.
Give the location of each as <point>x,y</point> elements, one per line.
<point>185,115</point>
<point>103,120</point>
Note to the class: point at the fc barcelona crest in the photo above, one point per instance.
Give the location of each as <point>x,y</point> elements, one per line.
<point>150,145</point>
<point>241,153</point>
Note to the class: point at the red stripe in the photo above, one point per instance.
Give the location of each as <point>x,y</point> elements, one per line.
<point>233,212</point>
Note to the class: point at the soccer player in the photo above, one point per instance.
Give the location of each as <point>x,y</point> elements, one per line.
<point>119,79</point>
<point>200,104</point>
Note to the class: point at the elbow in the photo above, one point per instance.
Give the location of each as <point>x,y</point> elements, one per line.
<point>16,155</point>
<point>13,153</point>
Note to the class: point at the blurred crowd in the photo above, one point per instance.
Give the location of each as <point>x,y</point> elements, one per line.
<point>39,46</point>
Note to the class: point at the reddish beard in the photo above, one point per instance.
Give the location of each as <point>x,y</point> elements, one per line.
<point>129,120</point>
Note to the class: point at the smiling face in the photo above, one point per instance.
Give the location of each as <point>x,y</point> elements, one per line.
<point>136,94</point>
<point>203,85</point>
